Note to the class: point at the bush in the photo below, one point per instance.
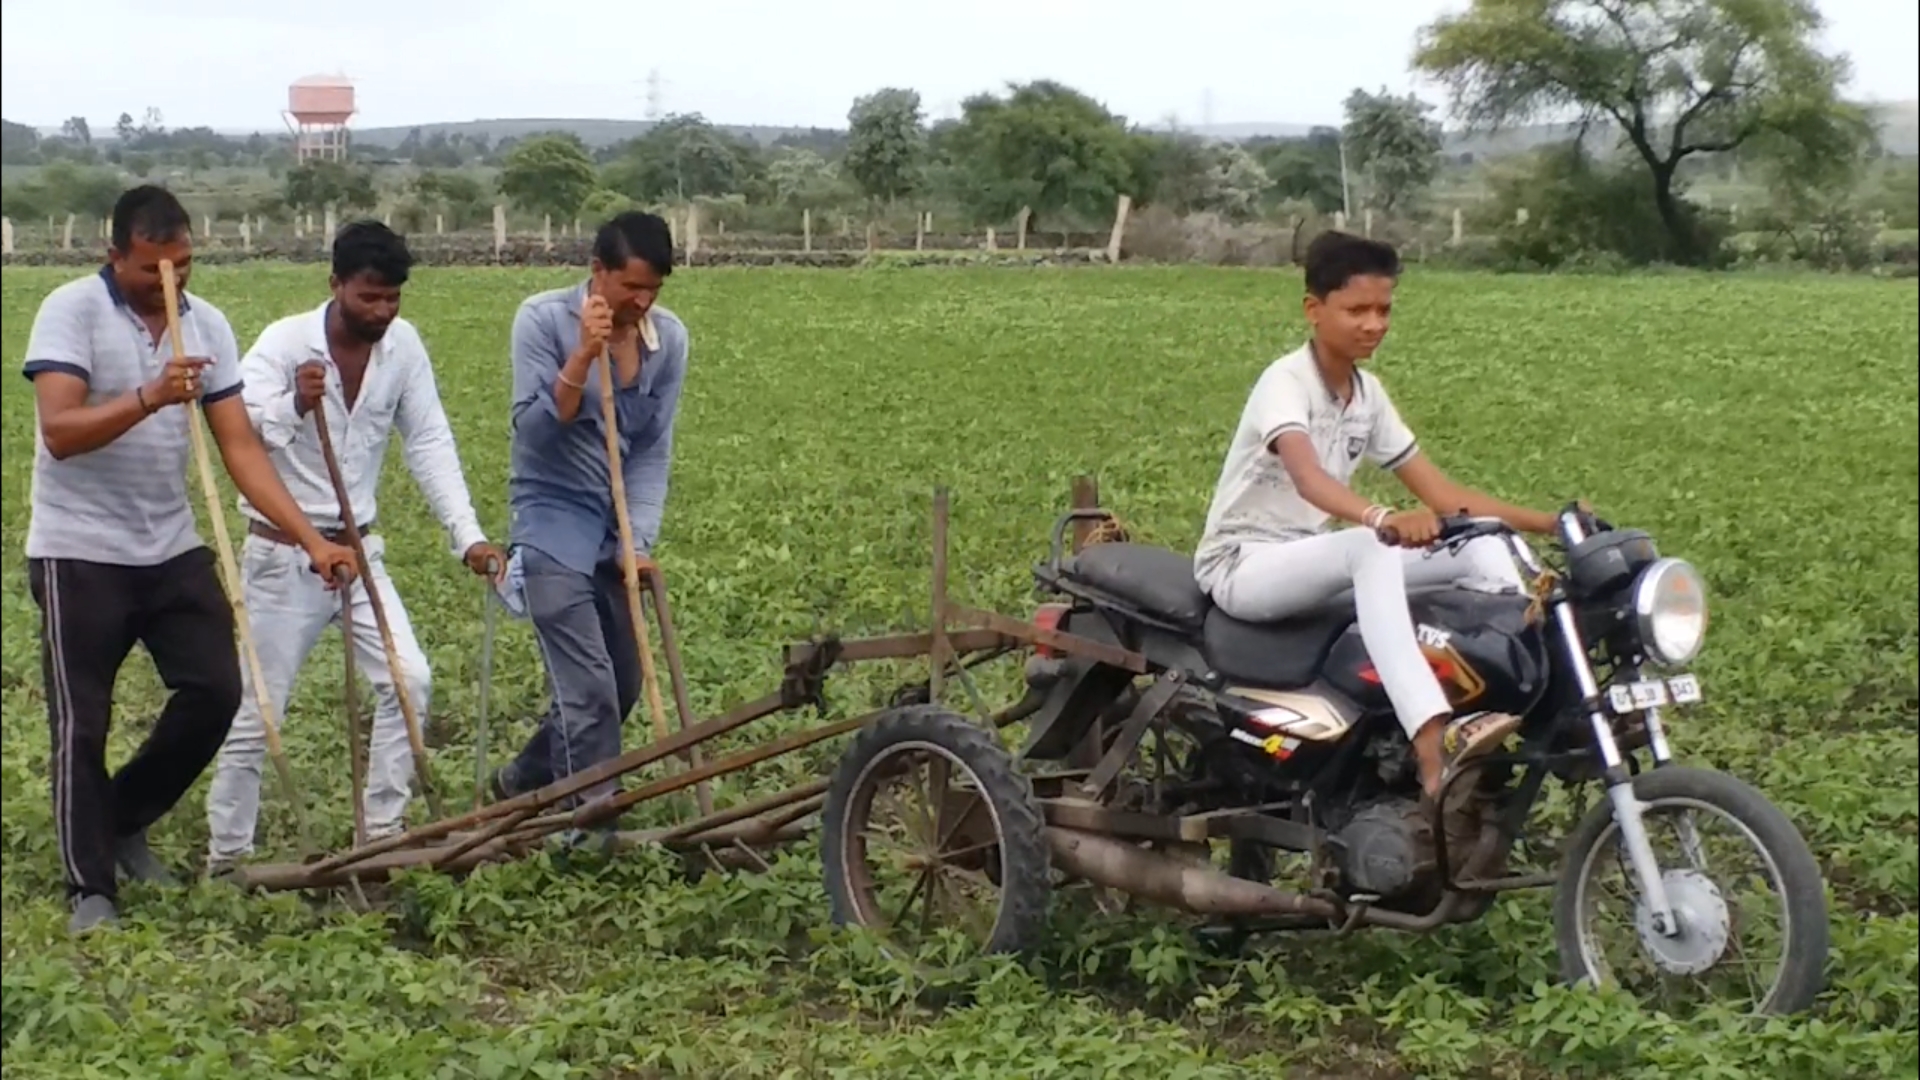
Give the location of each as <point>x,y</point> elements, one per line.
<point>1578,210</point>
<point>1157,234</point>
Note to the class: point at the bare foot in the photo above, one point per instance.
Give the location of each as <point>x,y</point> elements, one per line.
<point>1428,756</point>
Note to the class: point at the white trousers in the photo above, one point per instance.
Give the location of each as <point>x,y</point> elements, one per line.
<point>1271,581</point>
<point>288,607</point>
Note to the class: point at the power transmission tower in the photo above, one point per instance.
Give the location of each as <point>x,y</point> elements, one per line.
<point>655,94</point>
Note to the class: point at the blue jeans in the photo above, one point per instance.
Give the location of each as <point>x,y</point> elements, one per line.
<point>586,639</point>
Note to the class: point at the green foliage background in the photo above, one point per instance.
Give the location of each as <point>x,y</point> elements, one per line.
<point>1761,426</point>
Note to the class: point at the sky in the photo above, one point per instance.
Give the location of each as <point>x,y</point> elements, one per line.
<point>226,64</point>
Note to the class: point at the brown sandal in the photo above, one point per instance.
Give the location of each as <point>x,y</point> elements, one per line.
<point>1469,738</point>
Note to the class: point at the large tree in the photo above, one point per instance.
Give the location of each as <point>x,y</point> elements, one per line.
<point>1044,146</point>
<point>548,174</point>
<point>1677,77</point>
<point>886,144</point>
<point>682,157</point>
<point>1394,145</point>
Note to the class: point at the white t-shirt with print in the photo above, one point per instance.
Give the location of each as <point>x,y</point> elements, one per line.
<point>1255,501</point>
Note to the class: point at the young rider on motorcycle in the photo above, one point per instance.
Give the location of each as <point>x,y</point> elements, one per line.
<point>1267,553</point>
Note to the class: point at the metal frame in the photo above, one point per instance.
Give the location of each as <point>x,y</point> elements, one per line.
<point>516,827</point>
<point>1093,841</point>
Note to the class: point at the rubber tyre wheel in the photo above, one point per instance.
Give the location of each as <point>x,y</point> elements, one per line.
<point>1802,974</point>
<point>1025,878</point>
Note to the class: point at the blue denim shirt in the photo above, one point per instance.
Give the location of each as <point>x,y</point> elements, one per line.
<point>558,489</point>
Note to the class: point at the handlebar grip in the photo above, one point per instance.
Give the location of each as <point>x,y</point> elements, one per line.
<point>1388,535</point>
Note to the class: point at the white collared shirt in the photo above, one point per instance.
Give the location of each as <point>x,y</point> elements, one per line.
<point>1255,500</point>
<point>398,392</point>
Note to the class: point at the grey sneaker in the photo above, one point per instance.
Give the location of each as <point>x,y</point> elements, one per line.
<point>90,912</point>
<point>138,861</point>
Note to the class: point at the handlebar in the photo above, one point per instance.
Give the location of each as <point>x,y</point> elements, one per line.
<point>1454,529</point>
<point>1577,523</point>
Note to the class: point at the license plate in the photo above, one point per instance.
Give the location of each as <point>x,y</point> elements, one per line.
<point>1643,694</point>
<point>1685,689</point>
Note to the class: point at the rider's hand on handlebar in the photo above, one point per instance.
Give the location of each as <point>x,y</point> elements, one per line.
<point>1410,528</point>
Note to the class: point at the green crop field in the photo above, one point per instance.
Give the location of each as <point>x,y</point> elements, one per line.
<point>1764,427</point>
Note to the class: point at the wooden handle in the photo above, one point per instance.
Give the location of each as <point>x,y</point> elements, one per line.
<point>229,569</point>
<point>629,558</point>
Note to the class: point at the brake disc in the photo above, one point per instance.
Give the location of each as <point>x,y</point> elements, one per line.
<point>1704,919</point>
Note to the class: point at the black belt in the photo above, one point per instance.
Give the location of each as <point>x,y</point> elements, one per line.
<point>333,536</point>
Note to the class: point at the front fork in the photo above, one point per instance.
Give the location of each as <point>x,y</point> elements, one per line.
<point>1626,807</point>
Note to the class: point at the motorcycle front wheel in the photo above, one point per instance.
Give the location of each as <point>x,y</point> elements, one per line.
<point>1752,926</point>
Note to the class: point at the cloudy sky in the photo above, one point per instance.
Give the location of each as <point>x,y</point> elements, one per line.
<point>226,63</point>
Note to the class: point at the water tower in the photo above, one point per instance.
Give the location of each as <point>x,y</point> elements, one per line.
<point>318,108</point>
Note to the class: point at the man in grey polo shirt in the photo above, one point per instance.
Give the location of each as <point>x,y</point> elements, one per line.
<point>566,547</point>
<point>1312,417</point>
<point>113,553</point>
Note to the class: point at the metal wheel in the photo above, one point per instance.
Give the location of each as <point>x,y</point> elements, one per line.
<point>1746,890</point>
<point>929,828</point>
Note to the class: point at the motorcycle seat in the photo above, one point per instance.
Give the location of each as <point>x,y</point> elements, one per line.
<point>1156,580</point>
<point>1282,655</point>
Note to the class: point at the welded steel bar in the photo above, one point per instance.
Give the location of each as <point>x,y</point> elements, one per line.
<point>540,798</point>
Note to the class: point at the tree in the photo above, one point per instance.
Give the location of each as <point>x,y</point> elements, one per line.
<point>456,197</point>
<point>1391,141</point>
<point>681,157</point>
<point>803,179</point>
<point>1677,77</point>
<point>1185,173</point>
<point>1307,170</point>
<point>548,174</point>
<point>1044,146</point>
<point>1237,183</point>
<point>1816,198</point>
<point>19,144</point>
<point>886,144</point>
<point>316,185</point>
<point>76,130</point>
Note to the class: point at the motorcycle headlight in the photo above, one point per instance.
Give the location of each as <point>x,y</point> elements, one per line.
<point>1670,610</point>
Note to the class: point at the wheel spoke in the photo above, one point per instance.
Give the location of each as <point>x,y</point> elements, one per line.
<point>920,828</point>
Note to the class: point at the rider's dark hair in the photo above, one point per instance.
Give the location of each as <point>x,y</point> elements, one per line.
<point>371,247</point>
<point>1335,258</point>
<point>635,235</point>
<point>149,212</point>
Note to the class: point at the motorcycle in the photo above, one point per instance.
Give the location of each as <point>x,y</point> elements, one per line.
<point>1280,738</point>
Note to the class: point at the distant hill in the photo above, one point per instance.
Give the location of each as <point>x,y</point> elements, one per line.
<point>595,133</point>
<point>1899,123</point>
<point>1900,130</point>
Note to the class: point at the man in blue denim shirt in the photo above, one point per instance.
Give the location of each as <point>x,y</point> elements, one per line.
<point>565,536</point>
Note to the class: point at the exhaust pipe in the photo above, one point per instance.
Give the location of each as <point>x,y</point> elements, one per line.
<point>1174,882</point>
<point>1202,890</point>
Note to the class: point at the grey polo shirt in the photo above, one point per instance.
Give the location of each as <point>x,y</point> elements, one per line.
<point>1256,500</point>
<point>125,503</point>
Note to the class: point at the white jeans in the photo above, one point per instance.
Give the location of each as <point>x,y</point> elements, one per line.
<point>1270,581</point>
<point>288,606</point>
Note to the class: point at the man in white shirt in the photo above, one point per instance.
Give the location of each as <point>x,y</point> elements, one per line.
<point>356,357</point>
<point>1312,417</point>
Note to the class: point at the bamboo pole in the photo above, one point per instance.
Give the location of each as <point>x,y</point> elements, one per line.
<point>415,737</point>
<point>223,545</point>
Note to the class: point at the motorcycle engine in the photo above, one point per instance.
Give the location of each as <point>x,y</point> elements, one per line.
<point>1385,849</point>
